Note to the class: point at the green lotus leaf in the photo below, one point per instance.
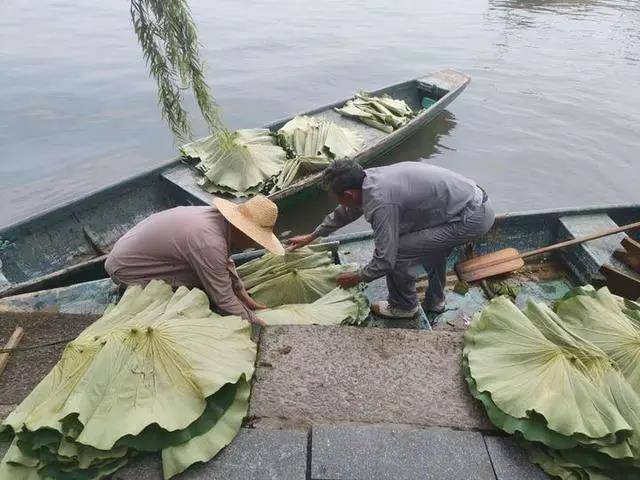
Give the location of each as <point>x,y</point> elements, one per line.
<point>203,447</point>
<point>240,165</point>
<point>280,265</point>
<point>298,286</point>
<point>114,391</point>
<point>309,137</point>
<point>590,343</point>
<point>336,307</point>
<point>525,372</point>
<point>598,317</point>
<point>383,112</point>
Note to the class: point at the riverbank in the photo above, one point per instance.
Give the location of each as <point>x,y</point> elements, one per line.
<point>330,403</point>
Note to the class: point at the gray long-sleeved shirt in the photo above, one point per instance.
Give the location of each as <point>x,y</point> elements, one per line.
<point>182,246</point>
<point>399,199</point>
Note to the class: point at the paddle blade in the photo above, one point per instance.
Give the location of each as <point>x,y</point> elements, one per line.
<point>489,265</point>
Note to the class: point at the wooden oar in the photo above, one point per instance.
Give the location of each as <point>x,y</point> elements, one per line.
<point>510,260</point>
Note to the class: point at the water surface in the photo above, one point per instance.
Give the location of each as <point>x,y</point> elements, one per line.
<point>550,119</point>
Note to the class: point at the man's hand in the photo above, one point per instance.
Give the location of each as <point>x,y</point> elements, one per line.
<point>249,302</point>
<point>300,241</point>
<point>253,305</point>
<point>348,279</point>
<point>258,321</point>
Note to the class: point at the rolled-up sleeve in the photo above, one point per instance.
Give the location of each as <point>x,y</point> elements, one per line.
<point>385,221</point>
<point>218,281</point>
<point>340,217</point>
<point>236,281</point>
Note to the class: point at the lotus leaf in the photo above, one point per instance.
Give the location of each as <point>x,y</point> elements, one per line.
<point>298,286</point>
<point>297,167</point>
<point>384,113</point>
<point>599,317</point>
<point>275,266</point>
<point>239,166</point>
<point>114,391</point>
<point>312,145</point>
<point>524,371</point>
<point>311,137</point>
<point>564,379</point>
<point>348,307</point>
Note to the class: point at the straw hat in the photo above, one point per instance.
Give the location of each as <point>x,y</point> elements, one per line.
<point>255,218</point>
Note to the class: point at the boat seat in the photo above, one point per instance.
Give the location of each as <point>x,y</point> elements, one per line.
<point>184,184</point>
<point>596,261</point>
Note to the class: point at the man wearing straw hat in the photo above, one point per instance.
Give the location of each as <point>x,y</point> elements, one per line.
<point>191,246</point>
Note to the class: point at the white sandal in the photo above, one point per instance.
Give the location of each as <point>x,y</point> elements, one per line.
<point>385,310</point>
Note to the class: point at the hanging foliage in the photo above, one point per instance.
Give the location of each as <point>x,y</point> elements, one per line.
<point>168,37</point>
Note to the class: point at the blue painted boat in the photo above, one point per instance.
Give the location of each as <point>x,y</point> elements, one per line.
<point>599,262</point>
<point>68,244</point>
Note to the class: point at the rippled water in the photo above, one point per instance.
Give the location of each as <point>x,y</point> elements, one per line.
<point>551,118</point>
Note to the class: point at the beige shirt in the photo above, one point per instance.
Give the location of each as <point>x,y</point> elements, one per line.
<point>182,246</point>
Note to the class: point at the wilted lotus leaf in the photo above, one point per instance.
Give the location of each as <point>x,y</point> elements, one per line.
<point>384,113</point>
<point>239,165</point>
<point>312,137</point>
<point>115,390</point>
<point>348,307</point>
<point>313,144</point>
<point>298,286</point>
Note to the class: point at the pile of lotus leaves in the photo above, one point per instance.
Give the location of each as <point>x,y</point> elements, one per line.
<point>564,380</point>
<point>160,372</point>
<point>248,162</point>
<point>312,145</point>
<point>300,288</point>
<point>142,378</point>
<point>384,113</point>
<point>239,164</point>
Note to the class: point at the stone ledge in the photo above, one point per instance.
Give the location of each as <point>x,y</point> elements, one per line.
<point>394,452</point>
<point>320,375</point>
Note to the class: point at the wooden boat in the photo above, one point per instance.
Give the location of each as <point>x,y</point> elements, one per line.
<point>70,241</point>
<point>547,279</point>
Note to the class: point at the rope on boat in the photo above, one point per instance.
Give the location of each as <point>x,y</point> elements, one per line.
<point>35,347</point>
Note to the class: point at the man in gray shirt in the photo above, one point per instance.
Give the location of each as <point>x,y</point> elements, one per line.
<point>419,213</point>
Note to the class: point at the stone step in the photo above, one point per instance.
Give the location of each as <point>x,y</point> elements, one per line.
<point>398,452</point>
<point>253,455</point>
<point>326,374</point>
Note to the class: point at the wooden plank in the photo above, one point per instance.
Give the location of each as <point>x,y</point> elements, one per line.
<point>630,260</point>
<point>620,282</point>
<point>489,265</point>
<point>629,254</point>
<point>56,279</point>
<point>631,246</point>
<point>14,340</point>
